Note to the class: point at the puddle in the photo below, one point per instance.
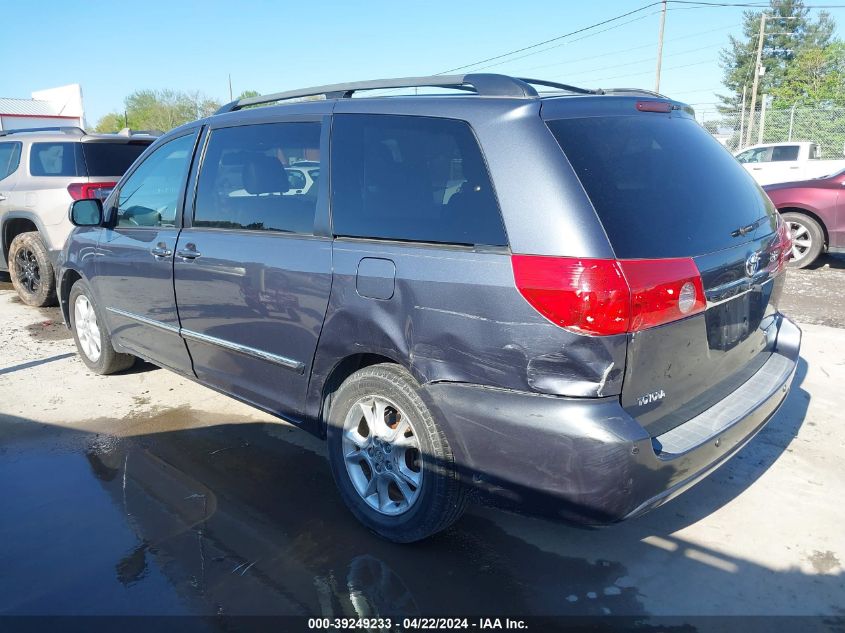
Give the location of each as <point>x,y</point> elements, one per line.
<point>230,519</point>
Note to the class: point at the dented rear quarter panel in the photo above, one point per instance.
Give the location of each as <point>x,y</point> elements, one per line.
<point>456,316</point>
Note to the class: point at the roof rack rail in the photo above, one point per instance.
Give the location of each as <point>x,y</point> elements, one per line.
<point>559,86</point>
<point>75,131</point>
<point>482,84</point>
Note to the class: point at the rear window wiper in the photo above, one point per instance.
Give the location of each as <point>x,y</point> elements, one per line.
<point>745,230</point>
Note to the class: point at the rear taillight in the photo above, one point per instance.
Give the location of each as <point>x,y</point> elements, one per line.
<point>608,296</point>
<point>87,190</point>
<point>783,244</point>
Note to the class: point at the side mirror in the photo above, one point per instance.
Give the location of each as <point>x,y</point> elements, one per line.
<point>87,212</point>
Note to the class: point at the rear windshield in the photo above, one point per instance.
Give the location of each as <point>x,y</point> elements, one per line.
<point>95,159</point>
<point>661,185</point>
<point>110,159</point>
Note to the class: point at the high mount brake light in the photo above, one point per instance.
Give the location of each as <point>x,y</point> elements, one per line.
<point>654,106</point>
<point>609,296</point>
<point>88,190</point>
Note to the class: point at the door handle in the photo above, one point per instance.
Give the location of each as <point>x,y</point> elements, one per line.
<point>160,251</point>
<point>794,167</point>
<point>2,197</point>
<point>189,252</point>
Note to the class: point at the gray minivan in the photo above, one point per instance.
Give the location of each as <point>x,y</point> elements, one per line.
<point>568,299</point>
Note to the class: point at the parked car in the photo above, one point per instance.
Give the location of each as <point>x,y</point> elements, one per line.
<point>595,333</point>
<point>301,177</point>
<point>783,162</point>
<point>815,212</point>
<point>42,171</point>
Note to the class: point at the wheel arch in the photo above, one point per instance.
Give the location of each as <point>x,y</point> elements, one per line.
<point>69,277</point>
<point>810,214</point>
<point>14,224</point>
<point>341,370</point>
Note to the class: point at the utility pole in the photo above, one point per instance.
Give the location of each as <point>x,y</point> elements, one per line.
<point>742,119</point>
<point>756,78</point>
<point>660,47</point>
<point>231,98</point>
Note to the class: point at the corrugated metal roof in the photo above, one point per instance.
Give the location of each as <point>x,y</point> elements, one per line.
<point>32,107</point>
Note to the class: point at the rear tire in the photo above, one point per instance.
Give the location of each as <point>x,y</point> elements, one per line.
<point>32,271</point>
<point>807,239</point>
<point>93,343</point>
<point>392,463</point>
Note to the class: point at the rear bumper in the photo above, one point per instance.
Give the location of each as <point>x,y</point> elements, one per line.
<point>587,459</point>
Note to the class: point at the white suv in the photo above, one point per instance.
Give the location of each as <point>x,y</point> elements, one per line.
<point>42,171</point>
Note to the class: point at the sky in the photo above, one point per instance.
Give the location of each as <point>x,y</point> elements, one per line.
<point>114,48</point>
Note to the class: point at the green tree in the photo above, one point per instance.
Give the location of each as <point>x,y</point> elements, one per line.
<point>110,123</point>
<point>159,110</point>
<point>246,94</point>
<point>815,77</point>
<point>791,32</point>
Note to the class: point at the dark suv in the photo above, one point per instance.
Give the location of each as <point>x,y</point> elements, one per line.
<point>569,299</point>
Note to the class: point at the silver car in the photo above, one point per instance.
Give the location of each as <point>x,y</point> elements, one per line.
<point>42,171</point>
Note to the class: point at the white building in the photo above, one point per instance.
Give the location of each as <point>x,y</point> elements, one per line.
<point>55,107</point>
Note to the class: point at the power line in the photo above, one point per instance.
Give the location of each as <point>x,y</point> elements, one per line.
<point>553,39</point>
<point>629,49</point>
<point>577,39</point>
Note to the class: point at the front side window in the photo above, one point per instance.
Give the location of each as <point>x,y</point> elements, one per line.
<point>412,179</point>
<point>150,196</point>
<point>10,158</point>
<point>784,153</point>
<point>759,155</point>
<point>247,183</point>
<point>56,159</point>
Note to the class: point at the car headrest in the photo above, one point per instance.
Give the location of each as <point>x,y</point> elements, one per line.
<point>264,174</point>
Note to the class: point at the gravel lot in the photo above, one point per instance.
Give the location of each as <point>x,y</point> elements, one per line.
<point>144,493</point>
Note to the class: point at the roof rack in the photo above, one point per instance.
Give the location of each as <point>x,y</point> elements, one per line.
<point>482,84</point>
<point>75,131</point>
<point>559,86</point>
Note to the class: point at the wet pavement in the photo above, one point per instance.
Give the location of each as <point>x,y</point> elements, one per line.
<point>144,493</point>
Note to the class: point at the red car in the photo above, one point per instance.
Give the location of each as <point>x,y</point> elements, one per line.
<point>815,212</point>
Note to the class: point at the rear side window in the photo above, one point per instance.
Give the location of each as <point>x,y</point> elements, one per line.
<point>110,159</point>
<point>413,179</point>
<point>10,158</point>
<point>786,152</point>
<point>662,186</point>
<point>245,182</point>
<point>56,159</point>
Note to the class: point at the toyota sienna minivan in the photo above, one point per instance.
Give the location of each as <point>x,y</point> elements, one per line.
<point>570,297</point>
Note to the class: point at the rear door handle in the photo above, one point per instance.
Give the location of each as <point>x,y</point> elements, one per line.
<point>189,252</point>
<point>161,251</point>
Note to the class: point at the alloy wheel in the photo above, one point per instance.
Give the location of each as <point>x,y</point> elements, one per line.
<point>28,271</point>
<point>802,240</point>
<point>87,329</point>
<point>382,455</point>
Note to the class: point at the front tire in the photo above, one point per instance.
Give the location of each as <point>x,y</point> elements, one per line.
<point>807,239</point>
<point>392,463</point>
<point>32,271</point>
<point>93,343</point>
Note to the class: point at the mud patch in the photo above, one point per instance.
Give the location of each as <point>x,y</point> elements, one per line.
<point>824,562</point>
<point>49,331</point>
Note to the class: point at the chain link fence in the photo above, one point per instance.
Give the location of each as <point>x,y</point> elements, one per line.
<point>825,126</point>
